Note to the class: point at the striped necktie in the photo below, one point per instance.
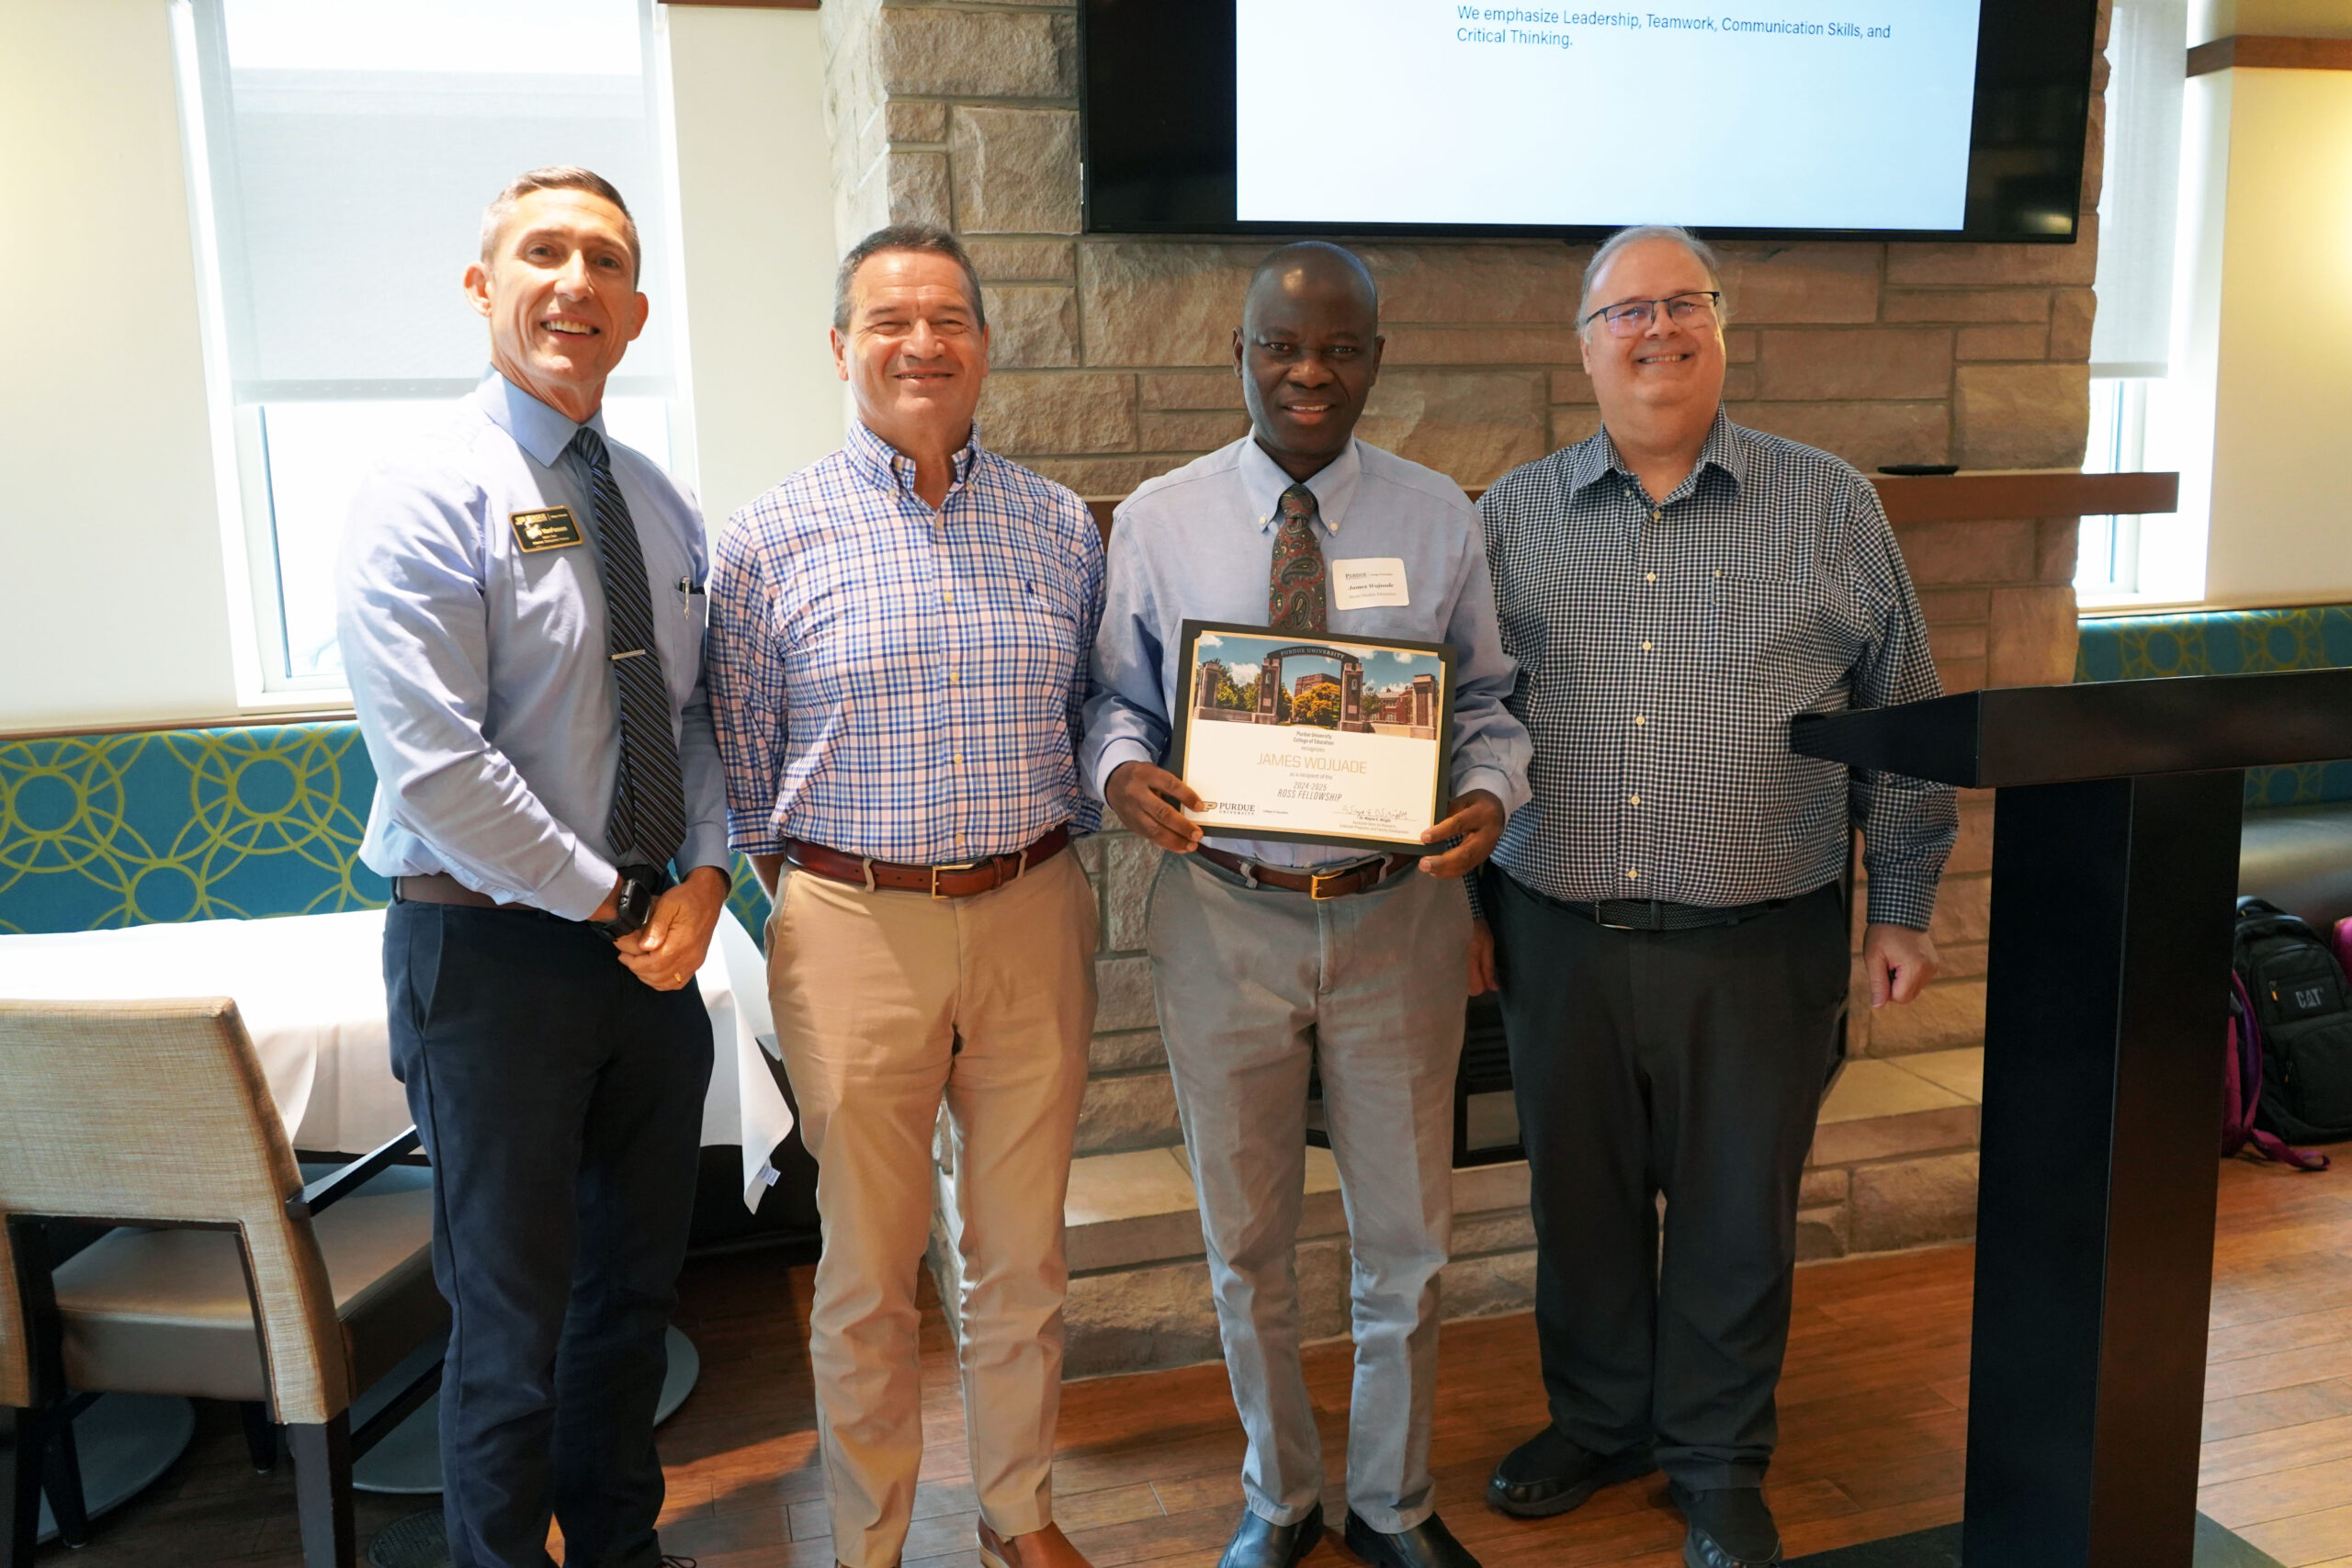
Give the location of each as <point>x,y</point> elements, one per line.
<point>1297,580</point>
<point>649,819</point>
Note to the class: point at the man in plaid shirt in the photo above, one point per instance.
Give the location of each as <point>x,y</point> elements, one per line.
<point>898,657</point>
<point>1665,917</point>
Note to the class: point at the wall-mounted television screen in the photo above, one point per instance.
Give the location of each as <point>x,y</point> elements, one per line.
<point>1931,119</point>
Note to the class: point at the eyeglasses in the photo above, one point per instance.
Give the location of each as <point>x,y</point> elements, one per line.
<point>1694,309</point>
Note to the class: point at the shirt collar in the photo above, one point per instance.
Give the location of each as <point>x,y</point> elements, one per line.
<point>541,431</point>
<point>886,467</point>
<point>1334,486</point>
<point>1597,457</point>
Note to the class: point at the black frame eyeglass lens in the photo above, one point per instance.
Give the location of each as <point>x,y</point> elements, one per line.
<point>1632,315</point>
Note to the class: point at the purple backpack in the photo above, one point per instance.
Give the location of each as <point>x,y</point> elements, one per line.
<point>2242,1091</point>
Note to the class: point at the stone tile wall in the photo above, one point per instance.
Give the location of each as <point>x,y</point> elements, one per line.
<point>1111,365</point>
<point>1129,1103</point>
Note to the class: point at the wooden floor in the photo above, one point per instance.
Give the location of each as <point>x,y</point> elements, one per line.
<point>1872,1415</point>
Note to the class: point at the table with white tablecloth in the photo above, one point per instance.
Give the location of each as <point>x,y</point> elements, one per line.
<point>311,988</point>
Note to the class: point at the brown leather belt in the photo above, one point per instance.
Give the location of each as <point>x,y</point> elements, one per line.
<point>940,881</point>
<point>1314,884</point>
<point>440,887</point>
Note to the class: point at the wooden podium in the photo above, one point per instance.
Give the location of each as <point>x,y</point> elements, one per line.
<point>2114,871</point>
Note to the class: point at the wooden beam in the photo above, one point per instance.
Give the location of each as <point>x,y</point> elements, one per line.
<point>1996,496</point>
<point>2262,51</point>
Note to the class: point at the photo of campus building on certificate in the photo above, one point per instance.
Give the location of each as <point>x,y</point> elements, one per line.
<point>1291,737</point>
<point>1279,679</point>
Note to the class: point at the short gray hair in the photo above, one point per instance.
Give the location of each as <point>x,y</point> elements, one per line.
<point>1626,238</point>
<point>926,239</point>
<point>558,177</point>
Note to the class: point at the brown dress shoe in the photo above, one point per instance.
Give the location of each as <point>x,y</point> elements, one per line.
<point>1046,1548</point>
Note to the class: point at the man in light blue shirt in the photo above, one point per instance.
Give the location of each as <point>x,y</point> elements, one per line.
<point>484,779</point>
<point>520,606</point>
<point>1271,958</point>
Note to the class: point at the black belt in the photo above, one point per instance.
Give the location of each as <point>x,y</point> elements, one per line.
<point>1658,915</point>
<point>440,887</point>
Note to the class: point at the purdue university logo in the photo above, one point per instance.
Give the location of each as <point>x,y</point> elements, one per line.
<point>548,530</point>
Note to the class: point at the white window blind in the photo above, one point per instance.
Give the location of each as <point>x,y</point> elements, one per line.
<point>353,146</point>
<point>348,148</point>
<point>2147,48</point>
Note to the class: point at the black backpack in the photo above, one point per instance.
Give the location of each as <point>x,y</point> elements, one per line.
<point>2302,1014</point>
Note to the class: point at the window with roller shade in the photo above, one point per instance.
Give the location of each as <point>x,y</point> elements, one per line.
<point>343,150</point>
<point>2138,249</point>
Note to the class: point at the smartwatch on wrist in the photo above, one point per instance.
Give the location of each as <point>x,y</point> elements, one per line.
<point>633,905</point>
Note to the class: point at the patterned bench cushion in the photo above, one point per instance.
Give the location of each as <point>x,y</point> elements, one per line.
<point>2232,642</point>
<point>101,830</point>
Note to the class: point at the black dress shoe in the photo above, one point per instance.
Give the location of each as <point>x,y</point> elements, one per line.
<point>1260,1543</point>
<point>1549,1474</point>
<point>1427,1545</point>
<point>1730,1527</point>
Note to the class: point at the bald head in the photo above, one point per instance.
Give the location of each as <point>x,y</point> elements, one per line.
<point>1312,267</point>
<point>1308,352</point>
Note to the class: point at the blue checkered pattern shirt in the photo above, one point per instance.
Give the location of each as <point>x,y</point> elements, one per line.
<point>1664,644</point>
<point>897,683</point>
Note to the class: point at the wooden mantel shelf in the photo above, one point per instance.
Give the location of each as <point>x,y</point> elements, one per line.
<point>1990,495</point>
<point>1999,494</point>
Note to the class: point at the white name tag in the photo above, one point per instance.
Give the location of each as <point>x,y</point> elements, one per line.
<point>1368,583</point>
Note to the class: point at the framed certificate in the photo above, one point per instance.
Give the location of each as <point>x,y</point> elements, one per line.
<point>1312,739</point>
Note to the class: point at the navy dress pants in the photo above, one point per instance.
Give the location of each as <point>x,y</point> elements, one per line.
<point>1689,1064</point>
<point>560,1101</point>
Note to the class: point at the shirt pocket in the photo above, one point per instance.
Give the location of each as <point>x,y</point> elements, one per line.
<point>1772,636</point>
<point>687,605</point>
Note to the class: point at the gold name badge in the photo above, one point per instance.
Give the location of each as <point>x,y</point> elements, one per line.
<point>548,530</point>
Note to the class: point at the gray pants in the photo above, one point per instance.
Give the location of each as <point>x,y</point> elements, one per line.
<point>1254,985</point>
<point>1691,1064</point>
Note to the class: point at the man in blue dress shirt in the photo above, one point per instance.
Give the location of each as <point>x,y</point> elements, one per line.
<point>1270,958</point>
<point>520,608</point>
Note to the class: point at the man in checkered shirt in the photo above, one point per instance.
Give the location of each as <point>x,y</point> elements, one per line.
<point>1666,918</point>
<point>897,658</point>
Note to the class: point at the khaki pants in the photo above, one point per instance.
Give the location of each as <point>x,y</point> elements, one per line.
<point>887,1004</point>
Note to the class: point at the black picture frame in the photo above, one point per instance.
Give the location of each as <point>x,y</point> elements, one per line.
<point>1441,756</point>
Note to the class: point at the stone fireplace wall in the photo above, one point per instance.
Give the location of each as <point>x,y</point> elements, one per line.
<point>1112,364</point>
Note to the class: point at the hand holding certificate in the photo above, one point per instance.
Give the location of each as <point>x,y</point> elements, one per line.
<point>1312,739</point>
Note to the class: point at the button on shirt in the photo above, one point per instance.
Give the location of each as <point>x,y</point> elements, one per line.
<point>1664,646</point>
<point>481,670</point>
<point>1196,544</point>
<point>899,683</point>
